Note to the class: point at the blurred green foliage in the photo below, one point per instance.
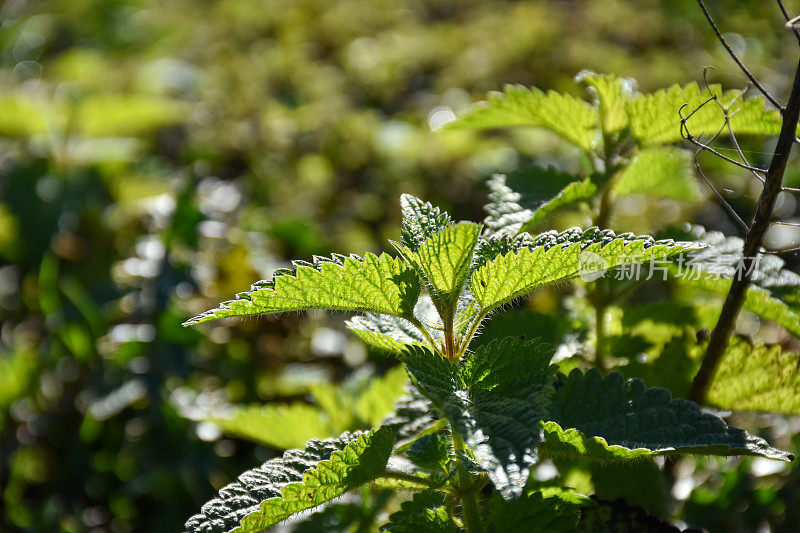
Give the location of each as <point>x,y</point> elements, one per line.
<point>158,156</point>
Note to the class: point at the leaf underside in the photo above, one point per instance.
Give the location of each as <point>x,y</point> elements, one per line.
<point>495,400</point>
<point>421,220</point>
<point>359,462</point>
<point>524,198</point>
<point>244,495</point>
<point>595,415</point>
<point>427,512</point>
<point>774,292</point>
<point>413,416</point>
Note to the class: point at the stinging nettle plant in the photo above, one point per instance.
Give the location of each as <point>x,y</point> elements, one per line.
<point>478,417</point>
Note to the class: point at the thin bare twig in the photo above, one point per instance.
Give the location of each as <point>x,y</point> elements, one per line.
<point>722,201</point>
<point>707,148</point>
<point>686,134</point>
<point>789,22</point>
<point>738,61</point>
<point>725,110</point>
<point>752,245</point>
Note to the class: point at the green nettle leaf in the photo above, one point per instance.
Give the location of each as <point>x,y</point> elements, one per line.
<point>421,220</point>
<point>757,300</point>
<point>443,261</point>
<point>379,284</point>
<point>761,378</point>
<point>385,333</point>
<point>342,517</point>
<point>426,513</point>
<point>413,416</point>
<point>611,97</point>
<point>243,496</point>
<point>609,417</point>
<point>430,451</point>
<point>359,462</point>
<point>654,118</point>
<point>567,116</point>
<point>495,400</point>
<point>640,482</point>
<point>553,510</point>
<point>620,517</point>
<point>671,367</point>
<point>499,244</point>
<point>577,191</point>
<point>523,199</point>
<point>377,400</point>
<point>757,378</point>
<point>774,292</point>
<point>557,257</point>
<point>279,426</point>
<point>659,171</point>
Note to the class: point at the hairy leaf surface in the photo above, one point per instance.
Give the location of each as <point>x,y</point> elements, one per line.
<point>430,451</point>
<point>611,96</point>
<point>379,284</point>
<point>654,117</point>
<point>774,292</point>
<point>359,462</point>
<point>553,510</point>
<point>443,262</point>
<point>659,171</point>
<point>244,495</point>
<point>421,220</point>
<point>385,333</point>
<point>427,512</point>
<point>608,417</point>
<point>495,400</point>
<point>556,257</point>
<point>567,116</point>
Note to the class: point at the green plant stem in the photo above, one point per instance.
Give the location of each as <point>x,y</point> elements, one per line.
<point>422,329</point>
<point>410,478</point>
<point>449,340</point>
<point>471,515</point>
<point>473,329</point>
<point>604,210</point>
<point>600,335</point>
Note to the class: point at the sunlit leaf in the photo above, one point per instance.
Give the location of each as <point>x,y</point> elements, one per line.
<point>654,118</point>
<point>567,116</point>
<point>661,171</point>
<point>379,284</point>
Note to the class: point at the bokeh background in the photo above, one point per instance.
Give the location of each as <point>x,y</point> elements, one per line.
<point>158,157</point>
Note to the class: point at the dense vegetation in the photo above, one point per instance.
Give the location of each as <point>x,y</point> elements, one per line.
<point>156,158</point>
